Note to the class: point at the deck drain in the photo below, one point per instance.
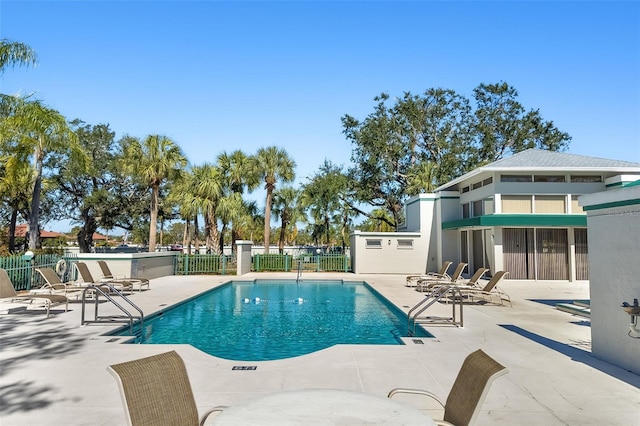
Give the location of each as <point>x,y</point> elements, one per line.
<point>244,367</point>
<point>418,342</point>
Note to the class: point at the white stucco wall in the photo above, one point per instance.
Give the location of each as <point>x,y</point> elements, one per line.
<point>389,257</point>
<point>613,221</point>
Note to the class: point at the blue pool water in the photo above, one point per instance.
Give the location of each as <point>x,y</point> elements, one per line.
<point>267,320</point>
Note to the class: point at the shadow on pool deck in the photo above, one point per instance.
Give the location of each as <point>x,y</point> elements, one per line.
<point>576,354</point>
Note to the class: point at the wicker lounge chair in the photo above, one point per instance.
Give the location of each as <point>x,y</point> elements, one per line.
<point>469,390</point>
<point>412,280</point>
<point>156,391</point>
<point>426,284</point>
<point>108,276</point>
<point>9,299</point>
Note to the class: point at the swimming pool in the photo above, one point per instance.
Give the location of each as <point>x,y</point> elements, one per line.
<point>266,319</point>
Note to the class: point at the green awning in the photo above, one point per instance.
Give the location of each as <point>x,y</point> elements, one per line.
<point>528,220</point>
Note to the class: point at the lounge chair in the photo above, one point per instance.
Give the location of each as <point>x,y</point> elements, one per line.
<point>469,390</point>
<point>427,283</point>
<point>87,279</point>
<point>412,280</point>
<point>108,276</point>
<point>9,299</point>
<point>471,282</point>
<point>489,292</point>
<point>156,391</point>
<point>54,285</point>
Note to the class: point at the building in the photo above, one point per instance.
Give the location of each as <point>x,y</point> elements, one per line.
<point>520,214</point>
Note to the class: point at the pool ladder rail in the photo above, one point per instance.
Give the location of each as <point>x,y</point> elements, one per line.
<point>92,293</point>
<point>299,272</point>
<point>444,292</point>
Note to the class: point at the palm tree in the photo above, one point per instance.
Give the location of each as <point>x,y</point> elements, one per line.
<point>208,190</point>
<point>33,129</point>
<point>287,205</point>
<point>156,160</point>
<point>16,181</point>
<point>15,53</point>
<point>239,172</point>
<point>273,164</point>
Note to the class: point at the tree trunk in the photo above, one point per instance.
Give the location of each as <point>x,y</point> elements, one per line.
<point>34,214</point>
<point>282,238</point>
<point>85,235</point>
<point>153,224</point>
<point>12,230</point>
<point>267,219</point>
<point>196,234</point>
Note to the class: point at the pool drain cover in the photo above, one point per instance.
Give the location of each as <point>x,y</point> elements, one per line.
<point>418,342</point>
<point>244,367</point>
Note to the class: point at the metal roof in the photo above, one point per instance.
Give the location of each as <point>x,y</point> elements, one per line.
<point>542,160</point>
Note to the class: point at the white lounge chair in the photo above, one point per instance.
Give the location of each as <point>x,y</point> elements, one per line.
<point>412,280</point>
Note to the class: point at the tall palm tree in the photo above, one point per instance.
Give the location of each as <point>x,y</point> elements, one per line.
<point>208,191</point>
<point>239,172</point>
<point>15,53</point>
<point>287,205</point>
<point>274,164</point>
<point>155,160</point>
<point>35,130</point>
<point>16,182</point>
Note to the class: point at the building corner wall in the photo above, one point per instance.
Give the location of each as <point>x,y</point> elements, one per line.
<point>613,232</point>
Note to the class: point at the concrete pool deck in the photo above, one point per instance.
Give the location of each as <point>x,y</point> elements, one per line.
<point>53,371</point>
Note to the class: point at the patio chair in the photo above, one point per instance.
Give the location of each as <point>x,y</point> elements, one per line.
<point>471,282</point>
<point>469,390</point>
<point>426,283</point>
<point>156,391</point>
<point>412,280</point>
<point>108,276</point>
<point>10,299</point>
<point>54,285</point>
<point>87,279</point>
<point>489,292</point>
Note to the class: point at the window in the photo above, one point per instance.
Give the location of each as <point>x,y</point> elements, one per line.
<point>516,204</point>
<point>487,181</point>
<point>465,189</point>
<point>465,211</point>
<point>515,178</point>
<point>488,206</point>
<point>550,204</point>
<point>477,185</point>
<point>374,243</point>
<point>586,179</point>
<point>575,207</point>
<point>477,208</point>
<point>549,178</point>
<point>405,244</point>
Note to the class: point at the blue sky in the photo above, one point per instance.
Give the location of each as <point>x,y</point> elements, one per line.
<point>218,76</point>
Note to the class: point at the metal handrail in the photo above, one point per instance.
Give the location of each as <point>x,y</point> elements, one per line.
<point>436,294</point>
<point>96,291</point>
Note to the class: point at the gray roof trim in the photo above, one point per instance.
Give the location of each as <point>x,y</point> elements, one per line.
<point>548,161</point>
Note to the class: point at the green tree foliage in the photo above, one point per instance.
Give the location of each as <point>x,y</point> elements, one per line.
<point>239,173</point>
<point>325,194</point>
<point>419,142</point>
<point>288,207</point>
<point>15,53</point>
<point>156,160</point>
<point>273,165</point>
<point>97,195</point>
<point>35,132</point>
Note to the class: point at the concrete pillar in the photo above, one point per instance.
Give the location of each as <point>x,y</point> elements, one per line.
<point>243,256</point>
